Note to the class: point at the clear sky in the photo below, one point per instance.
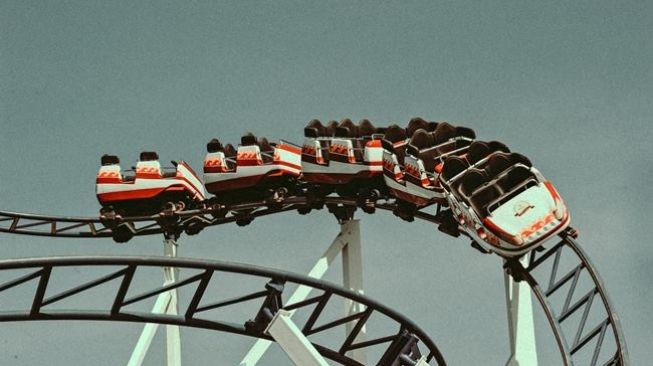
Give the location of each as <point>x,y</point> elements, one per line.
<point>569,84</point>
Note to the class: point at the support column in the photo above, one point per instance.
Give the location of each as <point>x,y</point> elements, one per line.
<point>173,338</point>
<point>291,339</point>
<point>352,275</point>
<point>521,327</point>
<point>166,303</point>
<point>302,292</point>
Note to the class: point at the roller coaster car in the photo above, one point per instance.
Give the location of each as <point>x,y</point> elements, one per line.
<point>256,169</point>
<point>147,188</point>
<point>346,157</point>
<point>411,167</point>
<point>501,200</point>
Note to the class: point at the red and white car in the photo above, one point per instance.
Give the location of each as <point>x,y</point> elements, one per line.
<point>256,166</point>
<point>343,156</point>
<point>502,201</point>
<point>411,166</point>
<point>145,189</point>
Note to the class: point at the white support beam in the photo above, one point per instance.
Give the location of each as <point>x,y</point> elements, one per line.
<point>422,362</point>
<point>352,275</point>
<point>173,338</point>
<point>301,293</point>
<point>166,303</point>
<point>149,330</point>
<point>291,339</point>
<point>521,327</point>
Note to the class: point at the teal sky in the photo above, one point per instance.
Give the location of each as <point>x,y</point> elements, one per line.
<point>570,84</point>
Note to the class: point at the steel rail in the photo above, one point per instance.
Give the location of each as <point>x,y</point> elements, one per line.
<point>549,281</point>
<point>12,223</point>
<point>95,227</point>
<point>272,287</point>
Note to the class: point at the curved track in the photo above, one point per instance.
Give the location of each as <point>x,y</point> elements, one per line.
<point>90,227</point>
<point>556,276</point>
<point>577,346</point>
<point>404,344</point>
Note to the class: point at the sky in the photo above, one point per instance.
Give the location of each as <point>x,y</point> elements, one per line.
<point>569,84</point>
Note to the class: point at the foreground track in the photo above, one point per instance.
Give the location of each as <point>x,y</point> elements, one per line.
<point>555,275</point>
<point>551,269</point>
<point>405,344</point>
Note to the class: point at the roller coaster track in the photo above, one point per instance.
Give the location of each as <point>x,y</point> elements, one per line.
<point>551,269</point>
<point>406,344</point>
<point>95,227</point>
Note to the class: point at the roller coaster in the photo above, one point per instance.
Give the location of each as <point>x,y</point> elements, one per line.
<point>431,171</point>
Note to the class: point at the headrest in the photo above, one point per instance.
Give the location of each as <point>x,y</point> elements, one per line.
<point>395,133</point>
<point>415,124</point>
<point>229,150</point>
<point>421,139</point>
<point>412,150</point>
<point>109,160</point>
<point>314,129</point>
<point>311,132</point>
<point>366,128</point>
<point>444,132</point>
<point>342,131</point>
<point>330,129</point>
<point>149,156</point>
<point>472,179</point>
<point>264,144</point>
<point>516,158</point>
<point>453,166</point>
<point>214,146</point>
<point>248,139</point>
<point>387,145</point>
<point>478,150</point>
<point>465,132</point>
<point>498,146</point>
<point>497,163</point>
<point>346,128</point>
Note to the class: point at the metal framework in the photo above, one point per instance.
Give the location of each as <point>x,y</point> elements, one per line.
<point>407,344</point>
<point>521,277</point>
<point>568,314</point>
<point>190,221</point>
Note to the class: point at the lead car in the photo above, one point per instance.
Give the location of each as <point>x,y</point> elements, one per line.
<point>503,202</point>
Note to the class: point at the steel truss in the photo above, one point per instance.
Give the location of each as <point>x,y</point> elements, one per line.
<point>568,309</point>
<point>519,271</point>
<point>407,344</point>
